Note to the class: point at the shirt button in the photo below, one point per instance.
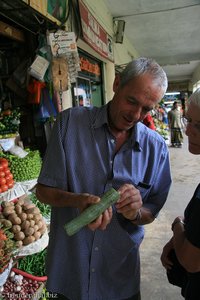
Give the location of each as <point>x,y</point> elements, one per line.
<point>111,162</point>
<point>112,141</point>
<point>93,270</point>
<point>96,248</point>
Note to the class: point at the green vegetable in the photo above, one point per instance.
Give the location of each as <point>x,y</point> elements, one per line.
<point>33,264</point>
<point>92,212</point>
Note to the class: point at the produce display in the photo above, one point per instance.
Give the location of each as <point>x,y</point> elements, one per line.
<point>6,176</point>
<point>9,123</point>
<point>7,245</point>
<point>24,220</point>
<point>33,264</point>
<point>162,128</point>
<point>45,209</point>
<point>20,287</point>
<point>26,168</point>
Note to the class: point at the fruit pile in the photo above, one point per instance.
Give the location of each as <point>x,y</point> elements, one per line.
<point>26,168</point>
<point>6,176</point>
<point>9,123</point>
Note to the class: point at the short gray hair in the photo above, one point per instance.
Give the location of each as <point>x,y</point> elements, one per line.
<point>194,98</point>
<point>141,66</point>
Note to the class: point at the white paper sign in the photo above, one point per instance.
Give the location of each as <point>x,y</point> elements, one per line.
<point>62,42</point>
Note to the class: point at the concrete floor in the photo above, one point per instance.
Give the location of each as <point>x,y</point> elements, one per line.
<point>185,176</point>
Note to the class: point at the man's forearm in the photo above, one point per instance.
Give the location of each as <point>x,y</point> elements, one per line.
<point>55,197</point>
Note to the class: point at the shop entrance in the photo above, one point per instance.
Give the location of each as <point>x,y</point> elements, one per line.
<point>87,91</point>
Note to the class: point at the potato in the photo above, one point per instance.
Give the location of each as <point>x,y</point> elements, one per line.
<point>32,223</point>
<point>29,231</point>
<point>19,236</point>
<point>28,240</point>
<point>37,218</point>
<point>37,235</point>
<point>29,216</point>
<point>19,244</point>
<point>7,204</point>
<point>8,211</point>
<point>14,219</point>
<point>43,229</point>
<point>25,224</point>
<point>34,210</point>
<point>16,228</point>
<point>20,202</point>
<point>18,209</point>
<point>22,216</point>
<point>40,224</point>
<point>36,228</point>
<point>27,206</point>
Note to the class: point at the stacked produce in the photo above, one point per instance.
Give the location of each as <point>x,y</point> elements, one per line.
<point>33,264</point>
<point>24,220</point>
<point>20,287</point>
<point>9,123</point>
<point>6,176</point>
<point>45,209</point>
<point>7,245</point>
<point>162,128</point>
<point>26,168</point>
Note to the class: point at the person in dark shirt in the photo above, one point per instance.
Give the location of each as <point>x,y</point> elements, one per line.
<point>186,230</point>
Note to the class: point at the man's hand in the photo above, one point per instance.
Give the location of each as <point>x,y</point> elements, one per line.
<point>130,201</point>
<point>102,221</point>
<point>85,200</point>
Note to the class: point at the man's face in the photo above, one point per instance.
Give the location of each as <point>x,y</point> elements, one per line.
<point>132,102</point>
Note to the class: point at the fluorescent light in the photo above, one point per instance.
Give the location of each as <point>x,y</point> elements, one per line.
<point>175,93</point>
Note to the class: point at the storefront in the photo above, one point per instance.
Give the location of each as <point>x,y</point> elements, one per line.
<point>88,89</point>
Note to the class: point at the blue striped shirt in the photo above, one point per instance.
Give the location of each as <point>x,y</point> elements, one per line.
<point>81,158</point>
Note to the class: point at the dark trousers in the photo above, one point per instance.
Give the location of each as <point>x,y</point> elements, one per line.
<point>61,297</point>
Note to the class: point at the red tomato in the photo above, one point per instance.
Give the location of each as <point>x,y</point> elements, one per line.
<point>4,188</point>
<point>3,159</point>
<point>8,176</point>
<point>2,174</point>
<point>10,183</point>
<point>2,180</point>
<point>4,164</point>
<point>1,167</point>
<point>7,171</point>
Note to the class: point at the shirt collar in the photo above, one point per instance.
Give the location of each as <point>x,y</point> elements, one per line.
<point>101,118</point>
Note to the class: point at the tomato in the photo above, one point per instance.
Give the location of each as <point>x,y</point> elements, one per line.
<point>10,183</point>
<point>7,171</point>
<point>8,176</point>
<point>4,188</point>
<point>1,167</point>
<point>3,159</point>
<point>4,164</point>
<point>2,180</point>
<point>0,190</point>
<point>2,174</point>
